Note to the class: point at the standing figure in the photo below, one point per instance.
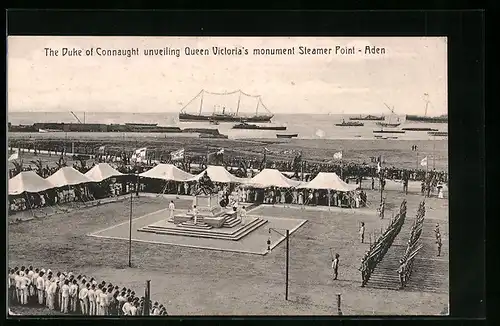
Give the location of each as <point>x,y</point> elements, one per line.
<point>436,230</point>
<point>335,266</point>
<point>401,273</point>
<point>439,243</point>
<point>40,286</point>
<point>195,214</point>
<point>92,303</point>
<point>171,208</point>
<point>362,232</point>
<point>243,215</point>
<point>65,297</point>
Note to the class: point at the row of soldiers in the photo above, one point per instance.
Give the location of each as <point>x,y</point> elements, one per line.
<point>379,248</point>
<point>68,293</point>
<point>406,262</point>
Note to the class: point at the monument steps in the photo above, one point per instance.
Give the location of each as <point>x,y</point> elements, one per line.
<point>199,225</point>
<point>212,234</point>
<point>213,231</point>
<point>231,222</point>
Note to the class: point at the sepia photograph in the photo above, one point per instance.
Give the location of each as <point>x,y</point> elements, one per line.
<point>199,176</point>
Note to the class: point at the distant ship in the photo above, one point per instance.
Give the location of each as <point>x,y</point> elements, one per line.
<point>248,126</point>
<point>381,131</point>
<point>418,118</point>
<point>286,135</point>
<point>388,124</point>
<point>350,124</point>
<point>418,129</point>
<point>225,115</point>
<point>438,133</point>
<point>368,118</point>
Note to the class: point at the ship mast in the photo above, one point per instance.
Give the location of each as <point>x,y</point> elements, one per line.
<point>239,99</point>
<point>257,108</point>
<point>426,99</point>
<point>201,102</point>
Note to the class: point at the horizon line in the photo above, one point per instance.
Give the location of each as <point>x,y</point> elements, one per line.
<point>161,112</point>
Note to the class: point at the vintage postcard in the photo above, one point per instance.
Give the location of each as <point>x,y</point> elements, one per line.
<point>227,176</point>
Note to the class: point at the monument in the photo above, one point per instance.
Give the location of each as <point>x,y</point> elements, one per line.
<point>209,213</point>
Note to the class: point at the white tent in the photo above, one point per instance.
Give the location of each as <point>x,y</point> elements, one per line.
<point>325,180</point>
<point>272,178</point>
<point>67,176</point>
<point>167,172</point>
<point>218,174</point>
<point>102,171</point>
<point>28,181</point>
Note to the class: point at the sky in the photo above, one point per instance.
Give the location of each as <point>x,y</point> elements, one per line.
<point>313,84</point>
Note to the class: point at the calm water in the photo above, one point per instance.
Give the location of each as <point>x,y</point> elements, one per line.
<point>307,126</point>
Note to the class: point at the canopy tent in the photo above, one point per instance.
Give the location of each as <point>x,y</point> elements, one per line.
<point>168,172</point>
<point>272,178</point>
<point>218,174</point>
<point>28,181</point>
<point>67,176</point>
<point>327,180</point>
<point>102,171</point>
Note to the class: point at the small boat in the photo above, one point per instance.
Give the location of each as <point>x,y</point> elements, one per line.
<point>438,133</point>
<point>211,135</point>
<point>368,118</point>
<point>286,135</point>
<point>141,124</point>
<point>350,124</point>
<point>389,131</point>
<point>248,126</point>
<point>419,129</point>
<point>49,130</point>
<point>202,130</point>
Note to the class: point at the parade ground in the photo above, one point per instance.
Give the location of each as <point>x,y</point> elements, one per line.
<point>196,281</point>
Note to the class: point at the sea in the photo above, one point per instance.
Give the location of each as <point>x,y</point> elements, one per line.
<point>307,126</point>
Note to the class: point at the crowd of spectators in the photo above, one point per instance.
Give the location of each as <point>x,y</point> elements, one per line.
<point>75,294</point>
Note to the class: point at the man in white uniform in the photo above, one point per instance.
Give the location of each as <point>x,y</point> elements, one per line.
<point>171,208</point>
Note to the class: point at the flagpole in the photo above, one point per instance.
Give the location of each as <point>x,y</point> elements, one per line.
<point>434,153</point>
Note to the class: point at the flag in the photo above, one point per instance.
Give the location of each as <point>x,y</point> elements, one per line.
<point>220,151</point>
<point>266,150</point>
<point>14,156</point>
<point>101,149</point>
<point>139,154</point>
<point>379,167</point>
<point>424,161</point>
<point>338,155</point>
<point>177,155</point>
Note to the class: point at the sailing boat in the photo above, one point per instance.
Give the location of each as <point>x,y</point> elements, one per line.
<point>388,124</point>
<point>226,116</point>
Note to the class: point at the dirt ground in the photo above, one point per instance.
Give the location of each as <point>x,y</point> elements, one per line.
<point>204,282</point>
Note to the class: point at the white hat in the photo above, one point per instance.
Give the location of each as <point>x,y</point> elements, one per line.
<point>49,271</point>
<point>43,270</point>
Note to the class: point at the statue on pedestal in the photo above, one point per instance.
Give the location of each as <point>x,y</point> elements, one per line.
<point>205,185</point>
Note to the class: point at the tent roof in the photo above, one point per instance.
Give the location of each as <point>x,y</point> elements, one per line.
<point>327,180</point>
<point>167,172</point>
<point>272,178</point>
<point>218,174</point>
<point>67,176</point>
<point>102,171</point>
<point>28,181</point>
